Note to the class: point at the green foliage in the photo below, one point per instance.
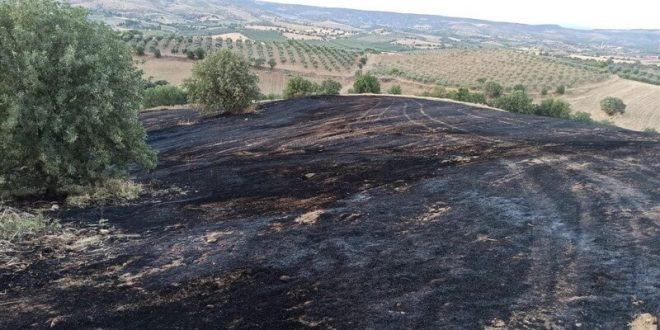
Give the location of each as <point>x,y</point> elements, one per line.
<point>520,88</point>
<point>190,54</point>
<point>164,95</point>
<point>112,190</point>
<point>139,50</point>
<point>330,87</point>
<point>515,102</point>
<point>259,62</point>
<point>366,83</point>
<point>613,106</point>
<point>222,82</point>
<point>200,53</point>
<point>272,63</point>
<point>299,87</point>
<point>493,89</point>
<point>561,89</point>
<point>582,117</point>
<point>16,225</point>
<point>157,53</point>
<point>69,99</point>
<point>650,131</point>
<point>554,108</point>
<point>394,90</point>
<point>544,91</point>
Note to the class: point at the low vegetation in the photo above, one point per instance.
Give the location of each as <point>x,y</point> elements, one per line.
<point>222,83</point>
<point>164,95</point>
<point>394,90</point>
<point>16,225</point>
<point>69,114</point>
<point>613,106</point>
<point>109,191</point>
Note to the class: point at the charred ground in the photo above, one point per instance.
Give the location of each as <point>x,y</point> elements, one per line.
<point>363,212</point>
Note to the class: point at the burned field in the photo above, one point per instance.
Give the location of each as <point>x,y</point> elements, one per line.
<point>363,212</point>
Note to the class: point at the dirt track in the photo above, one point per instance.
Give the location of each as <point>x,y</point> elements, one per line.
<point>367,212</point>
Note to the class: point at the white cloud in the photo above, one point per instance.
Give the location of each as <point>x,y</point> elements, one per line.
<point>630,14</point>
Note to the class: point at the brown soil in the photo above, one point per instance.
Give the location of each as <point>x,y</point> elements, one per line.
<point>364,212</point>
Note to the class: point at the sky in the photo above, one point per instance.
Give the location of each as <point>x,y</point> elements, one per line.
<point>604,14</point>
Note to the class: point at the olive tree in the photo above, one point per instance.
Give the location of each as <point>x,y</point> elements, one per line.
<point>69,99</point>
<point>222,82</point>
<point>366,83</point>
<point>612,106</point>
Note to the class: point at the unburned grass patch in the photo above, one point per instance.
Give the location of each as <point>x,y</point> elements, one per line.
<point>16,225</point>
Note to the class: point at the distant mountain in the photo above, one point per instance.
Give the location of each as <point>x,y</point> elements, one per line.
<point>647,41</point>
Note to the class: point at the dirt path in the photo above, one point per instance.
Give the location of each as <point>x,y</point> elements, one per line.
<point>366,212</point>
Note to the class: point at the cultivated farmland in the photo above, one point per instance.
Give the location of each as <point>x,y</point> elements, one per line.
<point>463,67</point>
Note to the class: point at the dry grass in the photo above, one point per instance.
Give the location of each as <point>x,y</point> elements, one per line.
<point>113,190</point>
<point>16,225</point>
<point>642,100</point>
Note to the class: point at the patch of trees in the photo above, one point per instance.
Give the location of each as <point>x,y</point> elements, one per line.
<point>300,87</point>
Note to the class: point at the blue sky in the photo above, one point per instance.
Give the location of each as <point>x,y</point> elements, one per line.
<point>629,14</point>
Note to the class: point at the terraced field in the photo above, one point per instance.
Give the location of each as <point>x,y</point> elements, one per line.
<point>362,212</point>
<point>463,67</point>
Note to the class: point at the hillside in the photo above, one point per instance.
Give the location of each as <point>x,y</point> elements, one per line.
<point>642,100</point>
<point>178,14</point>
<point>360,212</point>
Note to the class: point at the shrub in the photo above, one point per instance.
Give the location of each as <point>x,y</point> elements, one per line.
<point>299,87</point>
<point>582,117</point>
<point>69,114</point>
<point>330,87</point>
<point>157,53</point>
<point>222,82</point>
<point>200,53</point>
<point>272,63</point>
<point>544,91</point>
<point>395,90</point>
<point>612,106</point>
<point>561,89</point>
<point>190,54</point>
<point>366,83</point>
<point>650,131</point>
<point>16,225</point>
<point>515,102</point>
<point>554,108</point>
<point>493,89</point>
<point>520,88</point>
<point>164,95</point>
<point>139,51</point>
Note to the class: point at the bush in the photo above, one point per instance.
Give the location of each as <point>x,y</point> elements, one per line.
<point>157,53</point>
<point>517,102</point>
<point>139,51</point>
<point>554,108</point>
<point>69,114</point>
<point>164,95</point>
<point>16,225</point>
<point>200,53</point>
<point>612,106</point>
<point>650,131</point>
<point>222,82</point>
<point>544,91</point>
<point>330,87</point>
<point>395,90</point>
<point>190,54</point>
<point>520,88</point>
<point>493,89</point>
<point>561,89</point>
<point>582,117</point>
<point>299,87</point>
<point>366,83</point>
<point>272,63</point>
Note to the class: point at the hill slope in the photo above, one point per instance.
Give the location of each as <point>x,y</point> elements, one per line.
<point>364,212</point>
